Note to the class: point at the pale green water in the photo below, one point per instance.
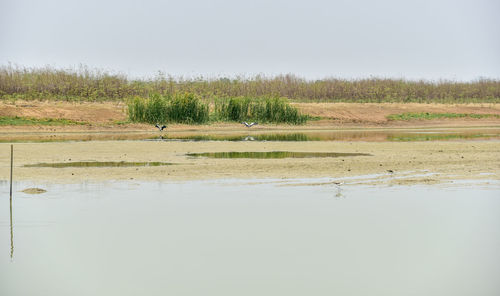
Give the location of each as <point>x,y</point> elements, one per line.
<point>273,154</point>
<point>234,238</point>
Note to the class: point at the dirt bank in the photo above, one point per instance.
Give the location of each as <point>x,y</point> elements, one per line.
<point>445,160</point>
<point>107,116</point>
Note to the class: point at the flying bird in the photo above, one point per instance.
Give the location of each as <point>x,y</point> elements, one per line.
<point>160,127</point>
<point>249,125</point>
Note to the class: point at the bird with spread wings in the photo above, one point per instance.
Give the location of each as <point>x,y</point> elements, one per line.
<point>160,127</point>
<point>249,124</point>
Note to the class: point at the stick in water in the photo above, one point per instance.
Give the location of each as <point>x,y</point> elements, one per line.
<point>11,232</point>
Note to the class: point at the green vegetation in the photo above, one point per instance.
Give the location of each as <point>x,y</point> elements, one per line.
<point>276,110</point>
<point>427,115</point>
<point>85,84</point>
<point>273,154</point>
<point>185,108</point>
<point>15,120</point>
<point>80,164</point>
<point>188,108</point>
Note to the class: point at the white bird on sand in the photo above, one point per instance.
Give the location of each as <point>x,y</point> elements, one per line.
<point>160,127</point>
<point>249,125</point>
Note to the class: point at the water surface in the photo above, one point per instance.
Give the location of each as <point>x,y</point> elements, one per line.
<point>250,238</point>
<point>273,154</point>
<point>374,135</point>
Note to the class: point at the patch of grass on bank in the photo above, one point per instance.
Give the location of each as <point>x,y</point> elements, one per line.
<point>85,84</point>
<point>428,116</point>
<point>16,120</point>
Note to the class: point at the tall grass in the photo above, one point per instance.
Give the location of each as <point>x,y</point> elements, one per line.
<point>188,108</point>
<point>183,108</point>
<point>275,110</point>
<point>84,84</point>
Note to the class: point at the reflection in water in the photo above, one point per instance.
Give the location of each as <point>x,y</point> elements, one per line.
<point>282,136</point>
<point>339,191</point>
<point>370,136</point>
<point>274,154</point>
<point>11,232</point>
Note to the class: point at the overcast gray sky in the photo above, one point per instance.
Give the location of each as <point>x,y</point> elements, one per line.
<point>429,39</point>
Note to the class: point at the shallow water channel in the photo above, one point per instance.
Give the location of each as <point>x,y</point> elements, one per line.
<point>368,135</point>
<point>248,237</point>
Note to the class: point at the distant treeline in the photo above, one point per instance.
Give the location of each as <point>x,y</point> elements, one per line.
<point>85,84</point>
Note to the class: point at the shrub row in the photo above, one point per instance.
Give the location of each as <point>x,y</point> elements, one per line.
<point>86,84</point>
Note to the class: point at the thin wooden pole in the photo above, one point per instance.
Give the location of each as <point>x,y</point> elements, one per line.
<point>11,233</point>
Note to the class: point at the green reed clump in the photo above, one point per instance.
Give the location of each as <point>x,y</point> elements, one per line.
<point>275,110</point>
<point>151,110</point>
<point>233,109</point>
<point>185,108</point>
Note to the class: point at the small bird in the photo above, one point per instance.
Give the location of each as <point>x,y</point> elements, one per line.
<point>249,125</point>
<point>249,138</point>
<point>160,127</point>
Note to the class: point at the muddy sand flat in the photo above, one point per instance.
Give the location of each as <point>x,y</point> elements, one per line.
<point>398,163</point>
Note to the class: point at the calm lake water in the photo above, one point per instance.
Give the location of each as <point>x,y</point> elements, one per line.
<point>249,238</point>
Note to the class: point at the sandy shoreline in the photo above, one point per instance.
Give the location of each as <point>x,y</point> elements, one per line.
<point>446,160</point>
